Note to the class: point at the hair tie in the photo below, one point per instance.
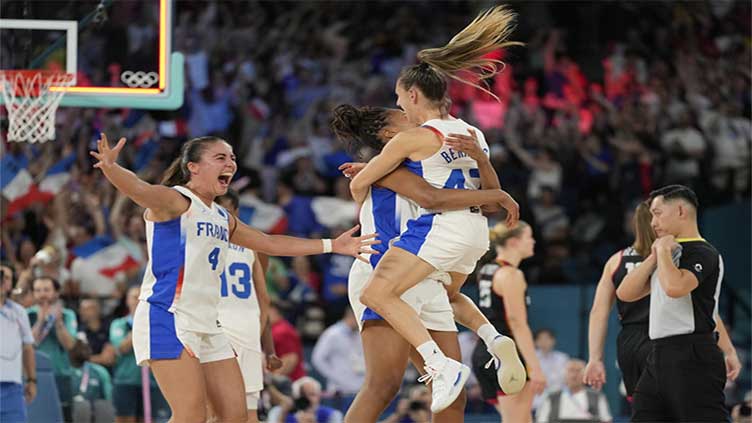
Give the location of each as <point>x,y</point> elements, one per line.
<point>423,66</point>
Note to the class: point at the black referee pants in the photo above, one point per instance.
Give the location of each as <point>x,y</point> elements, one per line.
<point>682,382</point>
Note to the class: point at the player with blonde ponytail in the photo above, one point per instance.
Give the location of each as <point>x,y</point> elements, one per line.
<point>503,300</point>
<point>449,242</point>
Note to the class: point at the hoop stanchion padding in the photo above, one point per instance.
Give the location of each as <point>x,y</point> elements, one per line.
<point>32,97</point>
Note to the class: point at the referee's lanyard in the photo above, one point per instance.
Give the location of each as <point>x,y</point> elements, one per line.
<point>48,325</point>
<point>84,380</point>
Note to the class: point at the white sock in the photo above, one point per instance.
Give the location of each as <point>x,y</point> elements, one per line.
<point>488,333</point>
<point>431,353</point>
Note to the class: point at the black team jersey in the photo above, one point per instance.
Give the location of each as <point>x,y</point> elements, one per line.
<point>636,312</point>
<point>491,304</point>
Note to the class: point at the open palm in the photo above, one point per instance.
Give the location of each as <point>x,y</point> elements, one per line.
<point>107,156</point>
<point>346,244</point>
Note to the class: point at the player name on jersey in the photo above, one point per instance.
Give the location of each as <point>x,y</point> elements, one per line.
<point>212,230</point>
<point>237,248</point>
<point>450,155</point>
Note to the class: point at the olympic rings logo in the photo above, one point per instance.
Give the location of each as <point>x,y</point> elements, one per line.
<point>139,79</point>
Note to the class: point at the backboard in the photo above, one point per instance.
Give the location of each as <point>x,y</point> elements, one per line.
<point>119,50</point>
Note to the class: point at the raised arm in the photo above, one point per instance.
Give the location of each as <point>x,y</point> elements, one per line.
<point>163,202</point>
<point>636,285</point>
<point>65,330</point>
<point>283,245</point>
<point>394,153</point>
<point>94,206</point>
<point>412,186</point>
<point>605,294</point>
<point>471,145</point>
<point>676,282</point>
<point>116,213</point>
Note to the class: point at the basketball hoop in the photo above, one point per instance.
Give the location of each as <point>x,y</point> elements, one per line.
<point>32,102</point>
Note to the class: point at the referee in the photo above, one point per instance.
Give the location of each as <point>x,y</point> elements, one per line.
<point>685,373</point>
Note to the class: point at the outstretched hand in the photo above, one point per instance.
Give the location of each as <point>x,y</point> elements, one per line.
<point>595,375</point>
<point>273,362</point>
<point>350,169</point>
<point>467,144</point>
<point>107,156</point>
<point>733,366</point>
<point>513,210</point>
<point>349,245</point>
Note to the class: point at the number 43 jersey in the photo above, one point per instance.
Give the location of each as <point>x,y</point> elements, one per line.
<point>186,259</point>
<point>239,312</point>
<point>448,168</point>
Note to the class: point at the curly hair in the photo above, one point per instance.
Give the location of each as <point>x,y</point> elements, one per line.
<point>358,127</point>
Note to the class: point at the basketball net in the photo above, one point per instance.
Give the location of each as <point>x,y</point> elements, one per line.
<point>31,102</point>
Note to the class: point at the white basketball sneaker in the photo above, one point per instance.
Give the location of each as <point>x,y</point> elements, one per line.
<point>510,371</point>
<point>447,382</point>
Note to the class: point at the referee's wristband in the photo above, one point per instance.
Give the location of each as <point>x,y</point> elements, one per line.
<point>327,245</point>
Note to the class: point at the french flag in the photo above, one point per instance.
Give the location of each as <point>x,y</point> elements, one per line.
<point>106,256</point>
<point>18,186</point>
<point>265,217</point>
<point>57,176</point>
<point>334,212</point>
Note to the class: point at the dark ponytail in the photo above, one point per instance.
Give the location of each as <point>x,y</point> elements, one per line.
<point>358,128</point>
<point>178,173</point>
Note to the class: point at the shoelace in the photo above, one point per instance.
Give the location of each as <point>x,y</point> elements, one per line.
<point>431,372</point>
<point>494,360</point>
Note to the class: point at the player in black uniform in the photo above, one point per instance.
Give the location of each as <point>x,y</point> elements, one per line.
<point>503,300</point>
<point>633,344</point>
<point>685,373</point>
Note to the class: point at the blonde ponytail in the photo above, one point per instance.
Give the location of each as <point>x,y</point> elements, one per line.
<point>487,33</point>
<point>500,233</point>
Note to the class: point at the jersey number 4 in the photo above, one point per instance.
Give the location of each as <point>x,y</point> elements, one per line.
<point>457,178</point>
<point>241,280</point>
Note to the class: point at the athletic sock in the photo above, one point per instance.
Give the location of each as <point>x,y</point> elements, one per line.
<point>488,333</point>
<point>431,353</point>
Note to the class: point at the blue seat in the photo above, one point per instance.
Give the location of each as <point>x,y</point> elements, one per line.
<point>46,405</point>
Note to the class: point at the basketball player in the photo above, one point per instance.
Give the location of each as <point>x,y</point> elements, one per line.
<point>387,209</point>
<point>450,241</point>
<point>174,328</point>
<point>243,311</point>
<point>503,299</point>
<point>633,343</point>
<point>685,373</point>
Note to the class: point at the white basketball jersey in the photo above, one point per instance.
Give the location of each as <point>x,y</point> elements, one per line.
<point>186,258</point>
<point>239,312</point>
<point>449,168</point>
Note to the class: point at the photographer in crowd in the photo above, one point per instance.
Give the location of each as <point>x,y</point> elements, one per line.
<point>414,408</point>
<point>306,405</point>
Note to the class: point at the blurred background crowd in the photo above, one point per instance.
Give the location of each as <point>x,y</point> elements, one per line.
<point>605,102</point>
